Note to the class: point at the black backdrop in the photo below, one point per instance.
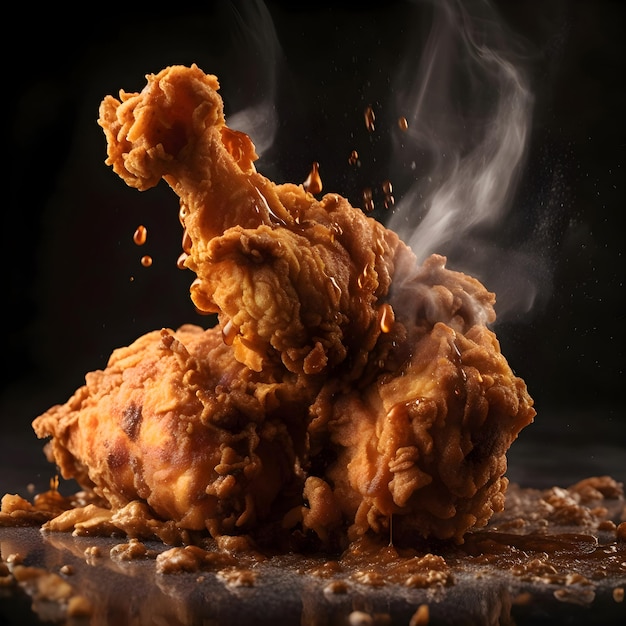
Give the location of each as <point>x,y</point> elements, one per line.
<point>74,288</point>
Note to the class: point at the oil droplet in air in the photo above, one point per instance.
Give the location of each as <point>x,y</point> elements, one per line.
<point>182,214</point>
<point>388,191</point>
<point>140,236</point>
<point>403,123</point>
<point>180,262</point>
<point>387,318</point>
<point>353,159</point>
<point>370,117</point>
<point>146,260</point>
<point>229,332</point>
<point>186,243</point>
<point>363,279</point>
<point>368,200</point>
<point>313,182</point>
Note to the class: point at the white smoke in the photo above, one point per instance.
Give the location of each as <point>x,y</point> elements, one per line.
<point>469,110</point>
<point>255,32</point>
<point>468,184</point>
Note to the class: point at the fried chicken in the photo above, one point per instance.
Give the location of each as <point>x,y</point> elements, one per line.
<point>345,386</point>
<point>176,421</point>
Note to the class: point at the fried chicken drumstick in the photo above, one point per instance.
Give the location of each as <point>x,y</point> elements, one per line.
<point>344,386</point>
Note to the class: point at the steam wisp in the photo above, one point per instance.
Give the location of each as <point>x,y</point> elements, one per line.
<point>256,32</point>
<point>469,109</point>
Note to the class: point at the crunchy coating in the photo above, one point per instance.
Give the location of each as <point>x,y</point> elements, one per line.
<point>174,421</point>
<point>345,387</point>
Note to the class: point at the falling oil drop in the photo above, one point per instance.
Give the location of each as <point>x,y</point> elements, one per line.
<point>362,280</point>
<point>180,262</point>
<point>353,159</point>
<point>368,200</point>
<point>387,318</point>
<point>186,243</point>
<point>146,260</point>
<point>229,332</point>
<point>389,200</point>
<point>403,123</point>
<point>140,235</point>
<point>369,118</point>
<point>182,214</point>
<point>313,182</point>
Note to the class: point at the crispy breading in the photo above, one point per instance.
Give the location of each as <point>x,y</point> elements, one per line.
<point>175,421</point>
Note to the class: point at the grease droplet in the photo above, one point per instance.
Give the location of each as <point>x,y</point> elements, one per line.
<point>140,236</point>
<point>180,262</point>
<point>313,183</point>
<point>146,260</point>
<point>369,118</point>
<point>387,318</point>
<point>186,242</point>
<point>229,332</point>
<point>368,200</point>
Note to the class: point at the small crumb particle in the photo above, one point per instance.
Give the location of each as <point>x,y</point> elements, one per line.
<point>584,597</point>
<point>621,532</point>
<point>15,559</point>
<point>421,617</point>
<point>523,599</point>
<point>360,618</point>
<point>68,570</point>
<point>92,553</point>
<point>607,525</point>
<point>79,606</point>
<point>575,579</point>
<point>235,577</point>
<point>336,587</point>
<point>618,594</point>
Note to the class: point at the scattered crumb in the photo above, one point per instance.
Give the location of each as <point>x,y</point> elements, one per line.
<point>130,551</point>
<point>360,618</point>
<point>421,617</point>
<point>79,606</point>
<point>14,559</point>
<point>235,577</point>
<point>336,587</point>
<point>523,599</point>
<point>92,553</point>
<point>584,596</point>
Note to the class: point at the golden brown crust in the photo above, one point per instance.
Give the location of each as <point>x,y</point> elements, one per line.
<point>146,428</point>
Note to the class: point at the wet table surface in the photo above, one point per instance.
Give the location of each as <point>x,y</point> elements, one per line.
<point>133,592</point>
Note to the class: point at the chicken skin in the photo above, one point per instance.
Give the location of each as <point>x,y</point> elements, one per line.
<point>345,385</point>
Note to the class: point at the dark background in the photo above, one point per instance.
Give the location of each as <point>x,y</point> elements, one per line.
<point>74,288</point>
